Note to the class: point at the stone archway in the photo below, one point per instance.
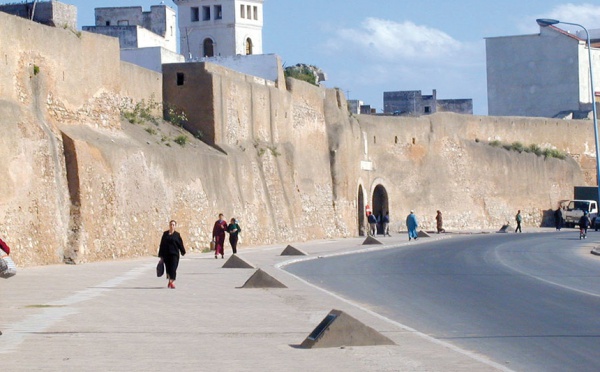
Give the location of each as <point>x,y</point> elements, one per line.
<point>360,211</point>
<point>380,205</point>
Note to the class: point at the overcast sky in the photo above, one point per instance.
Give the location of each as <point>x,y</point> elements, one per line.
<point>368,47</point>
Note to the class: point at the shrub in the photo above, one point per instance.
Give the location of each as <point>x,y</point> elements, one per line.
<point>181,140</point>
<point>518,146</point>
<point>533,148</point>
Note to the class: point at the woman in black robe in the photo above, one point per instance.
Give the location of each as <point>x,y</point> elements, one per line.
<point>171,246</point>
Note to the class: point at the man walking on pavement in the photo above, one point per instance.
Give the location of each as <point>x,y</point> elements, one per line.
<point>518,218</point>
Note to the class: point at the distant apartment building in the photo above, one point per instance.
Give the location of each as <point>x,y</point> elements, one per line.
<point>146,38</point>
<point>542,75</point>
<point>51,13</point>
<point>413,102</point>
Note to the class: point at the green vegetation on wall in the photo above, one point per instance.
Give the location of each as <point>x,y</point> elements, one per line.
<point>533,149</point>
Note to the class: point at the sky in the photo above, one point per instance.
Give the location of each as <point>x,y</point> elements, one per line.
<point>369,47</point>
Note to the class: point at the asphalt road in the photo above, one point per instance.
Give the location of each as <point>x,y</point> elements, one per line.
<point>528,301</point>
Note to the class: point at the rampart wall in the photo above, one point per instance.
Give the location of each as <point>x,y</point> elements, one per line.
<point>286,159</point>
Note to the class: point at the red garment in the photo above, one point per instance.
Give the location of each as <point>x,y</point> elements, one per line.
<point>4,247</point>
<point>219,236</point>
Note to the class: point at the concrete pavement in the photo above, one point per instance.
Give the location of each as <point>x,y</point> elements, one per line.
<point>118,316</point>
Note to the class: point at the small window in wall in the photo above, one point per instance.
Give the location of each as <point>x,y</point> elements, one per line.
<point>427,109</point>
<point>243,11</point>
<point>123,23</point>
<point>248,46</point>
<point>108,23</point>
<point>256,13</point>
<point>396,140</point>
<point>195,14</point>
<point>218,12</point>
<point>374,139</point>
<point>206,13</point>
<point>180,78</point>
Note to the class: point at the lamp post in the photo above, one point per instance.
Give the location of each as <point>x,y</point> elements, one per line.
<point>544,22</point>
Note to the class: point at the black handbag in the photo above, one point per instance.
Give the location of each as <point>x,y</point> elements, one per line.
<point>160,268</point>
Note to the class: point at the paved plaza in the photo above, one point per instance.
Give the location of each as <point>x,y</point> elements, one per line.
<point>118,316</point>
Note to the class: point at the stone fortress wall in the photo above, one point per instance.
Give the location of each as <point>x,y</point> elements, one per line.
<point>283,158</point>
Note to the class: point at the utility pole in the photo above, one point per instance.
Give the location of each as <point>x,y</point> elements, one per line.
<point>33,10</point>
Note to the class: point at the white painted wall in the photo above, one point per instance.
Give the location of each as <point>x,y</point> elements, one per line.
<point>265,66</point>
<point>151,58</point>
<point>538,75</point>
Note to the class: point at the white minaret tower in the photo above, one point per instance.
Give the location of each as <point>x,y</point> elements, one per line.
<point>211,28</point>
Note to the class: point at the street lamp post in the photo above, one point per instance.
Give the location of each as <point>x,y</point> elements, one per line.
<point>544,22</point>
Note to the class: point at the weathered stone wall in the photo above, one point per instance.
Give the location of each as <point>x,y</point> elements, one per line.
<point>80,186</point>
<point>445,162</point>
<point>51,79</point>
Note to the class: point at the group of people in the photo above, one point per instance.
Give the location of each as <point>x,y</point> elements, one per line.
<point>373,221</point>
<point>411,223</point>
<point>218,235</point>
<point>171,245</point>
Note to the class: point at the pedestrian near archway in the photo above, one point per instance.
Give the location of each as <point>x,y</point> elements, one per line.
<point>411,225</point>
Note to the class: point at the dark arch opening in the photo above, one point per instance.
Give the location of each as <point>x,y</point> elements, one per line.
<point>208,48</point>
<point>360,212</point>
<point>380,206</point>
<point>249,46</point>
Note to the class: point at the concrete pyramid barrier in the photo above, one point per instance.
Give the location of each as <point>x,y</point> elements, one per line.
<point>371,240</point>
<point>423,234</point>
<point>504,229</point>
<point>261,279</point>
<point>292,251</point>
<point>595,251</point>
<point>339,329</point>
<point>235,262</point>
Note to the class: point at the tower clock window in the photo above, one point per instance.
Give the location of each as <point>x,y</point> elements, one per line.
<point>218,12</point>
<point>256,13</point>
<point>206,13</point>
<point>242,11</point>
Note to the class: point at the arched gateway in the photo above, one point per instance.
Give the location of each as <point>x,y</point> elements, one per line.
<point>380,205</point>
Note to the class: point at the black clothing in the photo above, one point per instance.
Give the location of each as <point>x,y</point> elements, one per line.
<point>171,246</point>
<point>558,220</point>
<point>233,229</point>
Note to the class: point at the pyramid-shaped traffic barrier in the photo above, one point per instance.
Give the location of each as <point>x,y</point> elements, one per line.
<point>261,279</point>
<point>371,241</point>
<point>504,229</point>
<point>595,251</point>
<point>423,234</point>
<point>292,251</point>
<point>339,329</point>
<point>235,262</point>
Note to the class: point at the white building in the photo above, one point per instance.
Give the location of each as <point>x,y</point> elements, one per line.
<point>146,38</point>
<point>545,74</point>
<point>220,28</point>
